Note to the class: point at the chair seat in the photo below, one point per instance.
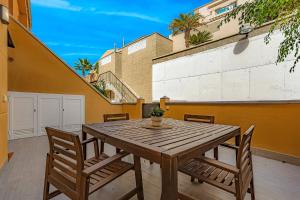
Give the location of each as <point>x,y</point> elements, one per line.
<point>209,174</point>
<point>108,173</point>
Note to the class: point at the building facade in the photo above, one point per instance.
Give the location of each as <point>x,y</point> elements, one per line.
<point>213,14</point>
<point>20,10</point>
<point>132,64</point>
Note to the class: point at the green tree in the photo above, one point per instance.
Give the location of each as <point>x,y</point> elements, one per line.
<point>286,16</point>
<point>96,67</point>
<point>185,24</point>
<point>83,65</point>
<point>200,37</point>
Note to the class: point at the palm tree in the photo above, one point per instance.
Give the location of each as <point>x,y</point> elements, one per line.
<point>200,37</point>
<point>185,24</point>
<point>96,67</point>
<point>83,65</point>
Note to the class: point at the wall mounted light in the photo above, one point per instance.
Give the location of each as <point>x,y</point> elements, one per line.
<point>4,14</point>
<point>245,29</point>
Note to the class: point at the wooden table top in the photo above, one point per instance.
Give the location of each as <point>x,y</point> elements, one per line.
<point>182,137</point>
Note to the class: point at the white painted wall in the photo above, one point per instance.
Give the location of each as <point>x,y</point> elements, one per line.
<point>228,74</point>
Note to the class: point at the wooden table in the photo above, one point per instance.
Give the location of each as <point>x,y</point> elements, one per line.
<point>167,147</point>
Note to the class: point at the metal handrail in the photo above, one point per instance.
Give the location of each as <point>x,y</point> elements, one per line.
<point>110,78</point>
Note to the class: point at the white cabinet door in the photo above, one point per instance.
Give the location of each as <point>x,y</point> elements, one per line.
<point>30,113</point>
<point>73,112</point>
<point>49,112</point>
<point>22,115</point>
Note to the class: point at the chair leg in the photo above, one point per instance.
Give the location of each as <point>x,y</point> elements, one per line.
<point>101,147</point>
<point>46,190</point>
<point>252,189</point>
<point>138,178</point>
<point>84,149</point>
<point>192,179</point>
<point>118,150</point>
<point>84,188</point>
<point>46,183</point>
<point>216,153</point>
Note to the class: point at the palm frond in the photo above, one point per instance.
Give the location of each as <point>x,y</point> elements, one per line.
<point>200,37</point>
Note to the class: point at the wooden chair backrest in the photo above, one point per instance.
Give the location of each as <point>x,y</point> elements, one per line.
<point>115,117</point>
<point>244,161</point>
<point>199,118</point>
<point>65,161</point>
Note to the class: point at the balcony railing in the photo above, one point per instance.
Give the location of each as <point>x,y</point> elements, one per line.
<point>122,92</point>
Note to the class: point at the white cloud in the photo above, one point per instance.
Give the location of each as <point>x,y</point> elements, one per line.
<point>71,45</point>
<point>131,14</point>
<point>80,54</point>
<point>60,4</point>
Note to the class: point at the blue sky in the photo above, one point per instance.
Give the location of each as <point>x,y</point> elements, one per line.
<point>86,28</point>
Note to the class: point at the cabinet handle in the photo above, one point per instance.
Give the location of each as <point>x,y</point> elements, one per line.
<point>34,110</point>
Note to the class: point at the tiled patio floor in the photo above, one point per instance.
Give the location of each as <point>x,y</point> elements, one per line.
<point>22,178</point>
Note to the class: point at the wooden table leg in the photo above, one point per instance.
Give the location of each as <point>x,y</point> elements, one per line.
<point>84,149</point>
<point>169,167</point>
<point>237,143</point>
<point>138,178</point>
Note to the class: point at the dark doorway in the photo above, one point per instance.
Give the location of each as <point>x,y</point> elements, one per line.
<point>147,109</point>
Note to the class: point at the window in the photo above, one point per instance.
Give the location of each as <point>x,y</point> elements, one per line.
<point>225,9</point>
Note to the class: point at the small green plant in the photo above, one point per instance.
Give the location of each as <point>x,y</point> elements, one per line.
<point>101,87</point>
<point>157,112</point>
<point>200,37</point>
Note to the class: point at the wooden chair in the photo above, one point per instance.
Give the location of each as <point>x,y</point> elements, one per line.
<point>115,117</point>
<point>77,178</point>
<point>202,119</point>
<point>112,118</point>
<point>233,179</point>
<point>207,119</point>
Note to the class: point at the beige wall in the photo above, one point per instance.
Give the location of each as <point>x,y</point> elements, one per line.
<point>212,20</point>
<point>163,45</point>
<point>136,69</point>
<point>209,10</point>
<point>114,66</point>
<point>225,30</point>
<point>3,91</point>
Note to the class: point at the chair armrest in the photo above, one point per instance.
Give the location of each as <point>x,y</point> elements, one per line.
<point>92,169</point>
<point>96,145</point>
<point>84,142</point>
<point>231,146</point>
<point>220,164</point>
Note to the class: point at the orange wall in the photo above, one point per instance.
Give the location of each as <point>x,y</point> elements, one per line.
<point>135,110</point>
<point>277,125</point>
<point>35,69</point>
<point>20,10</point>
<point>3,91</point>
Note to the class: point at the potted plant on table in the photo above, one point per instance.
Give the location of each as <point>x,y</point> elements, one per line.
<point>157,116</point>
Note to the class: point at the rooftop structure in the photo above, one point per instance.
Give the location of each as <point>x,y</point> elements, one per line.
<point>213,13</point>
<point>132,63</point>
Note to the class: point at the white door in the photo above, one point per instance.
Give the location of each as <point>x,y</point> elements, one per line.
<point>22,115</point>
<point>49,112</point>
<point>73,112</point>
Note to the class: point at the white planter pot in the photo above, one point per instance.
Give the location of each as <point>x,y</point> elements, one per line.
<point>156,121</point>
